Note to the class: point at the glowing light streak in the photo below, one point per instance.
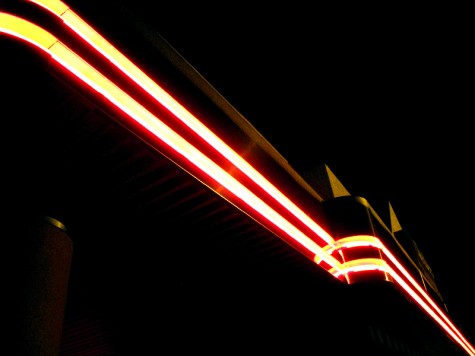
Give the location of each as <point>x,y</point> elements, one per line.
<point>72,62</point>
<point>350,242</point>
<point>360,265</point>
<point>78,25</point>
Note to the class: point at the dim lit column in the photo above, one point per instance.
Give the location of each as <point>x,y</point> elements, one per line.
<point>45,286</point>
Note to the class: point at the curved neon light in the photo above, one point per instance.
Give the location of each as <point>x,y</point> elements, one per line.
<point>360,265</point>
<point>78,25</point>
<point>40,38</point>
<point>67,58</point>
<point>409,284</point>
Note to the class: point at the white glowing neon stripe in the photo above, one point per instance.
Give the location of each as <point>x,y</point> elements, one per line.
<point>72,62</point>
<point>78,25</point>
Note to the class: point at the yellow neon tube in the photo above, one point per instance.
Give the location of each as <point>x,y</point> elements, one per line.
<point>27,31</point>
<point>73,21</point>
<point>359,265</point>
<point>352,241</point>
<point>67,58</point>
